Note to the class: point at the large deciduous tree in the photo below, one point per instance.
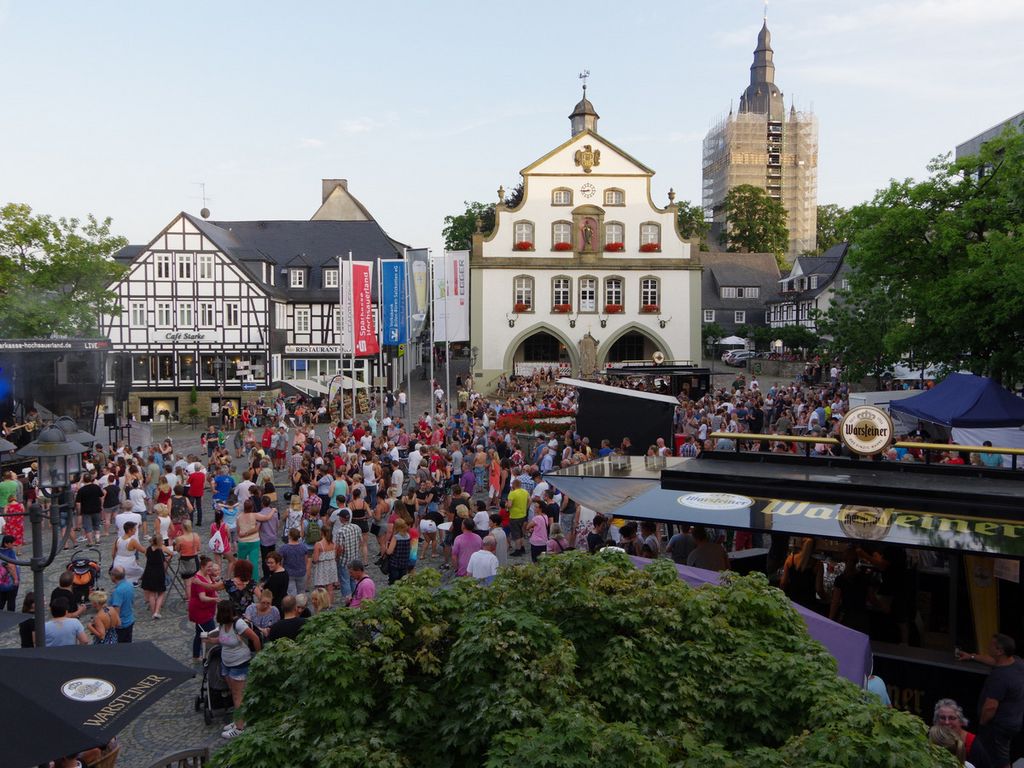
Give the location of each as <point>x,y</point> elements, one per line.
<point>938,270</point>
<point>459,228</point>
<point>691,222</point>
<point>833,226</point>
<point>580,660</point>
<point>55,274</point>
<point>755,222</point>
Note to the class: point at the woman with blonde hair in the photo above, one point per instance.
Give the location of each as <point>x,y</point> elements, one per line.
<point>321,599</point>
<point>103,627</point>
<point>187,545</point>
<point>163,522</point>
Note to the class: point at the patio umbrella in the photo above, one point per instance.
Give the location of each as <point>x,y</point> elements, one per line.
<point>10,619</point>
<point>59,701</point>
<point>729,340</point>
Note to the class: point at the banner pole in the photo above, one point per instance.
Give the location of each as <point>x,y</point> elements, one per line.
<point>430,304</point>
<point>380,339</point>
<point>352,331</point>
<point>447,339</point>
<point>339,332</point>
<point>408,336</point>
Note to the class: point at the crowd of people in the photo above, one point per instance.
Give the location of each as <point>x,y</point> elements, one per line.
<point>284,513</point>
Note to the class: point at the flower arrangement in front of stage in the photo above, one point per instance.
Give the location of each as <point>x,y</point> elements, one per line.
<point>537,421</point>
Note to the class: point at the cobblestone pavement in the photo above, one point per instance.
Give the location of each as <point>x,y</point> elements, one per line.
<point>172,723</point>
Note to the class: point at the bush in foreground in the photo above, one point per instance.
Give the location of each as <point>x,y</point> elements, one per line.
<point>577,661</point>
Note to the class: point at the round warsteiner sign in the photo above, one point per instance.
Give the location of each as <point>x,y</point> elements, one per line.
<point>87,689</point>
<point>866,430</point>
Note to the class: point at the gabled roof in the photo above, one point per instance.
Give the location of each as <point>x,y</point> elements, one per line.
<point>310,245</point>
<point>723,268</point>
<point>826,267</point>
<point>582,135</point>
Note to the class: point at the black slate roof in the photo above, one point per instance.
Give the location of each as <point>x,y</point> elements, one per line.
<point>723,268</point>
<point>828,267</point>
<point>311,245</point>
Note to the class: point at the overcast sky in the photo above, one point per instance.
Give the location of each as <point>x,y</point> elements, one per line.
<point>118,109</point>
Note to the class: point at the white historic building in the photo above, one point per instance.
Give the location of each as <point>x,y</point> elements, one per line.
<point>585,252</point>
<point>236,308</point>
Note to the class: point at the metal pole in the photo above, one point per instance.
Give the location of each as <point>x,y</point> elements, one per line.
<point>430,304</point>
<point>352,340</point>
<point>38,566</point>
<point>380,338</point>
<point>341,344</point>
<point>447,342</point>
<point>408,334</point>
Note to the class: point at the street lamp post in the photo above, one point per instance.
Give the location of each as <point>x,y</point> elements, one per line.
<point>59,458</point>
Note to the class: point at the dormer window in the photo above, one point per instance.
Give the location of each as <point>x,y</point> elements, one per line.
<point>814,282</point>
<point>297,278</point>
<point>331,278</point>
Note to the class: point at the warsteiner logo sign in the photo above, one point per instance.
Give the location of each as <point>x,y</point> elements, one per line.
<point>866,430</point>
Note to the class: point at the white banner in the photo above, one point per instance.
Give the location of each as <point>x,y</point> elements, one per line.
<point>450,295</point>
<point>344,333</point>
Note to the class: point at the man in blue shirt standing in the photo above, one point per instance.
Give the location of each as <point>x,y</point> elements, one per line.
<point>223,485</point>
<point>123,599</point>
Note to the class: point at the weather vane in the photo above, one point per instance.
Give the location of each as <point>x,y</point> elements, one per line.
<point>766,10</point>
<point>583,76</point>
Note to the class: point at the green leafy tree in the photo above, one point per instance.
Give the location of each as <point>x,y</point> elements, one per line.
<point>755,222</point>
<point>691,222</point>
<point>55,274</point>
<point>833,226</point>
<point>711,334</point>
<point>797,337</point>
<point>458,229</point>
<point>938,268</point>
<point>577,661</point>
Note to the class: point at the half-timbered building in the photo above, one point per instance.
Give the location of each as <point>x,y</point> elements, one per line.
<point>231,309</point>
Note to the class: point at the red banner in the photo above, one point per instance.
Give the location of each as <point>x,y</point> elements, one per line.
<point>362,311</point>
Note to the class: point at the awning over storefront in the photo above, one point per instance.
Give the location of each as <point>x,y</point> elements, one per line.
<point>968,514</point>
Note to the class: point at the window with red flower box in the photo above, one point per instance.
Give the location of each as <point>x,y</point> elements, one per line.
<point>650,309</point>
<point>613,309</point>
<point>614,247</point>
<point>562,309</point>
<point>562,247</point>
<point>524,245</point>
<point>650,247</point>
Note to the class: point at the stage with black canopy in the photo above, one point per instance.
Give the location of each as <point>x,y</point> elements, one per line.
<point>612,413</point>
<point>61,701</point>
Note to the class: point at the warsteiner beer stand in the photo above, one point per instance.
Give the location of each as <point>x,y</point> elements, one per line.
<point>960,526</point>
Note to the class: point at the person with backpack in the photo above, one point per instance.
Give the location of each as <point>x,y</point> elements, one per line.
<point>238,643</point>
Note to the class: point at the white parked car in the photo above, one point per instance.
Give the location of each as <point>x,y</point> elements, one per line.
<point>739,357</point>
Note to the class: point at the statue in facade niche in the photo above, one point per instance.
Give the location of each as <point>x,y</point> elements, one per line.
<point>588,356</point>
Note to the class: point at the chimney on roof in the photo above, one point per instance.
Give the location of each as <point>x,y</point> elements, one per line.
<point>330,184</point>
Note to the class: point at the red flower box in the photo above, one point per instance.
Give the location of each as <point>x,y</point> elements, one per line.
<point>613,309</point>
<point>562,309</point>
<point>650,309</point>
<point>524,245</point>
<point>614,247</point>
<point>521,308</point>
<point>562,247</point>
<point>650,247</point>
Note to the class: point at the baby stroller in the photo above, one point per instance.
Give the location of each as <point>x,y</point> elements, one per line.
<point>85,571</point>
<point>214,695</point>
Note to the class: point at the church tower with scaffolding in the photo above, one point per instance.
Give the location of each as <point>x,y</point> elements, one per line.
<point>765,146</point>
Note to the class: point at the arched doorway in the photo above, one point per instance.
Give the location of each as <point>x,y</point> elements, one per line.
<point>632,346</point>
<point>634,342</point>
<point>541,349</point>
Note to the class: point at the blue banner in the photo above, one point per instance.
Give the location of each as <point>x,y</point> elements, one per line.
<point>393,308</point>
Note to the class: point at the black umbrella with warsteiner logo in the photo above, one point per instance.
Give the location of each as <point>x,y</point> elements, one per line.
<point>60,701</point>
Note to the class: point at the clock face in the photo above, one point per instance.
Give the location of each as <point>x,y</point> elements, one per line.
<point>588,190</point>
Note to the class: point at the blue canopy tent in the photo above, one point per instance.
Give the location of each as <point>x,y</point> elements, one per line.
<point>966,401</point>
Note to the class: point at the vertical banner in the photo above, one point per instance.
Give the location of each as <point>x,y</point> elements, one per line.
<point>365,335</point>
<point>392,302</point>
<point>451,296</point>
<point>344,330</point>
<point>419,300</point>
